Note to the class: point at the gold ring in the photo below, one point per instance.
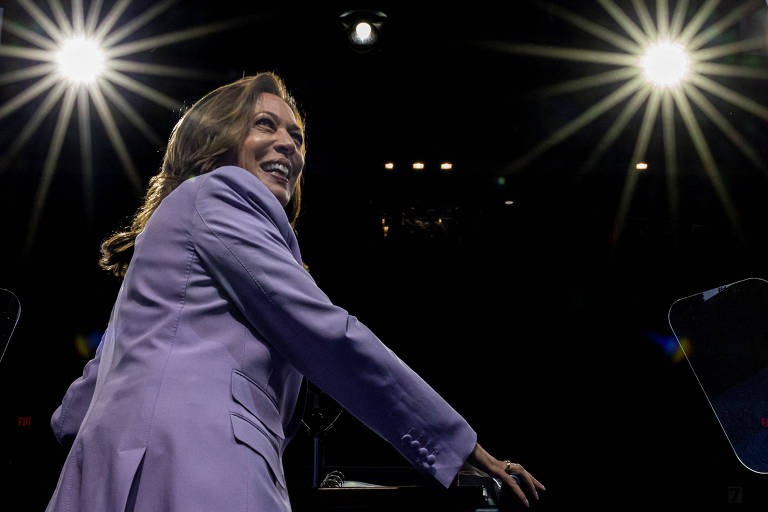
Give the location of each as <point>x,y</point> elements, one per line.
<point>508,464</point>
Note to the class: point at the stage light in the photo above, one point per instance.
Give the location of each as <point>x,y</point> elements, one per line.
<point>509,203</point>
<point>666,64</point>
<point>363,32</point>
<point>419,166</point>
<point>389,165</point>
<point>641,166</point>
<point>81,60</point>
<point>446,166</point>
<point>363,28</point>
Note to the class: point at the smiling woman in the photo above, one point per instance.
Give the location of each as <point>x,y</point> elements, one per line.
<point>208,136</point>
<point>198,383</point>
<point>273,149</point>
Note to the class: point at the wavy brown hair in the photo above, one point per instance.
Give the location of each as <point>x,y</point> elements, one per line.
<point>207,136</point>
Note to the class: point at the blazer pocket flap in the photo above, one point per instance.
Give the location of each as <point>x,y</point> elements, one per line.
<point>250,395</point>
<point>252,436</point>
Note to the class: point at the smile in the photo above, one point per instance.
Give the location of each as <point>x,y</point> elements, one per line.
<point>278,178</point>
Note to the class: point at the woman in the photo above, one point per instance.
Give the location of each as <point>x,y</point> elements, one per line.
<point>195,389</point>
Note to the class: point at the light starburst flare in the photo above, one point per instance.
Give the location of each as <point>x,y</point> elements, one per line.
<point>665,63</point>
<point>80,61</point>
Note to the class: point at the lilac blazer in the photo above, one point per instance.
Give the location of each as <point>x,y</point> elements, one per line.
<point>194,391</point>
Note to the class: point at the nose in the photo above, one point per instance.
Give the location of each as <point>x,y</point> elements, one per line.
<point>285,143</point>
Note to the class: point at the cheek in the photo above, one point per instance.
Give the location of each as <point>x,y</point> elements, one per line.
<point>244,155</point>
<point>252,145</point>
<point>300,165</point>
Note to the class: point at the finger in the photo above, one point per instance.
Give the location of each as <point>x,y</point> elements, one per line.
<point>512,483</point>
<point>539,484</point>
<point>529,480</point>
<point>520,471</point>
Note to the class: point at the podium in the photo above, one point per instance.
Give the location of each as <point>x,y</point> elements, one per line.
<point>401,499</point>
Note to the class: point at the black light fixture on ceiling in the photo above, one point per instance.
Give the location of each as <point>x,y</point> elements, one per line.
<point>363,28</point>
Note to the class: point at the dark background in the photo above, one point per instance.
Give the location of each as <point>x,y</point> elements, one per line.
<point>531,319</point>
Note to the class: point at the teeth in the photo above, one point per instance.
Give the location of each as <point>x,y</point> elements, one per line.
<point>277,167</point>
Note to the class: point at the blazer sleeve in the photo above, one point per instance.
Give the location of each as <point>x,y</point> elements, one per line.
<point>67,418</point>
<point>238,239</point>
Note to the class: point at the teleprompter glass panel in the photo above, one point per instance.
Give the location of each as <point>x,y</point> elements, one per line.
<point>723,333</point>
<point>10,309</point>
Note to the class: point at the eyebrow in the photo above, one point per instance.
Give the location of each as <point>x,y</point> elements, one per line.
<point>293,127</point>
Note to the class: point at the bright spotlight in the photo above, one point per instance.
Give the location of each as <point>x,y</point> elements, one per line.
<point>363,32</point>
<point>363,28</point>
<point>666,64</point>
<point>81,60</point>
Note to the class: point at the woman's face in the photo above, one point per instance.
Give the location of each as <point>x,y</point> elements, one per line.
<point>271,151</point>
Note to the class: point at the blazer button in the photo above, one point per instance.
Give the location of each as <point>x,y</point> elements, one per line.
<point>423,452</point>
<point>429,469</point>
<point>406,439</point>
<point>415,444</point>
<point>431,459</point>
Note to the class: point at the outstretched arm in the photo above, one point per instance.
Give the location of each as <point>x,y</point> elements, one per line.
<point>240,234</point>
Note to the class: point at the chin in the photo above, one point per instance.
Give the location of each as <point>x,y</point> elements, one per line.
<point>282,198</point>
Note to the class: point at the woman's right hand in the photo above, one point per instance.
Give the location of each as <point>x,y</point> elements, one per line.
<point>503,470</point>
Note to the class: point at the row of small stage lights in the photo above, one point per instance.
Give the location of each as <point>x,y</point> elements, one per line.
<point>447,166</point>
<point>419,166</point>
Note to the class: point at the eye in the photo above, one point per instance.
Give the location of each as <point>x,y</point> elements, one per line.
<point>265,120</point>
<point>298,138</point>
